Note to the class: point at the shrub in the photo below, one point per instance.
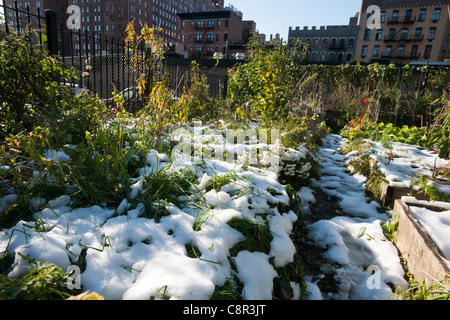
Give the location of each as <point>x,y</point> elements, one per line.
<point>30,94</point>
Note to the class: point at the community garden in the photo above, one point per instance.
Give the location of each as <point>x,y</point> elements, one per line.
<point>265,194</point>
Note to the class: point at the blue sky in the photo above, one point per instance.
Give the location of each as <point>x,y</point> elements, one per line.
<point>276,16</point>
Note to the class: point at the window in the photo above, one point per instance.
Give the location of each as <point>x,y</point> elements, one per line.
<point>388,51</point>
<point>324,43</point>
<point>432,34</point>
<point>199,37</point>
<point>422,15</point>
<point>323,57</point>
<point>364,51</point>
<point>383,17</point>
<point>351,43</point>
<point>401,51</point>
<point>199,24</point>
<point>404,34</point>
<point>436,14</point>
<point>408,15</point>
<point>391,34</point>
<point>316,43</point>
<point>379,35</point>
<point>414,51</point>
<point>395,16</point>
<point>210,37</point>
<point>418,34</point>
<point>367,34</point>
<point>376,51</point>
<point>427,52</point>
<point>211,24</point>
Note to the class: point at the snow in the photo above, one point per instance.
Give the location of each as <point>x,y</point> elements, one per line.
<point>437,225</point>
<point>256,273</point>
<point>129,256</point>
<point>356,241</point>
<point>402,162</point>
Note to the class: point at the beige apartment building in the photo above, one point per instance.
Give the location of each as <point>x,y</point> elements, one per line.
<point>411,30</point>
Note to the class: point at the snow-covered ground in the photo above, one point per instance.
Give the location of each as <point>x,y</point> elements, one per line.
<point>132,257</point>
<point>129,256</point>
<point>400,163</point>
<point>367,261</point>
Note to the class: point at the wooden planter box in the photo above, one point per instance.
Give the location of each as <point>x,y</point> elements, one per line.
<point>425,260</point>
<point>389,194</point>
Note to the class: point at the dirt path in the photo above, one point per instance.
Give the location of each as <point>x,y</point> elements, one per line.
<point>346,237</point>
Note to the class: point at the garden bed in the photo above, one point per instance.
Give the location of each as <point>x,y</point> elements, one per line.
<point>187,228</point>
<point>422,238</point>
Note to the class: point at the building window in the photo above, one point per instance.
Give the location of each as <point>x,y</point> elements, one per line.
<point>388,51</point>
<point>422,15</point>
<point>364,51</point>
<point>324,43</point>
<point>404,34</point>
<point>211,24</point>
<point>210,37</point>
<point>379,35</point>
<point>414,51</point>
<point>432,34</point>
<point>367,34</point>
<point>199,37</point>
<point>376,51</point>
<point>436,14</point>
<point>316,43</point>
<point>351,43</point>
<point>418,34</point>
<point>408,16</point>
<point>383,17</point>
<point>323,57</point>
<point>314,57</point>
<point>391,34</point>
<point>401,51</point>
<point>395,16</point>
<point>427,52</point>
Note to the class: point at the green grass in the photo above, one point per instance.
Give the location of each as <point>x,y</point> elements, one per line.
<point>43,281</point>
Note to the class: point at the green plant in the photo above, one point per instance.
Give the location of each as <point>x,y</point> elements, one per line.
<point>428,188</point>
<point>264,86</point>
<point>44,281</point>
<point>195,100</point>
<point>30,93</point>
<point>419,290</point>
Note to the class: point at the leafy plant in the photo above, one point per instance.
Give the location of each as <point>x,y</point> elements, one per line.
<point>44,281</point>
<point>30,93</point>
<point>264,86</point>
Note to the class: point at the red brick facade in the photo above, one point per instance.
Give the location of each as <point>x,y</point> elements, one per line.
<point>206,33</point>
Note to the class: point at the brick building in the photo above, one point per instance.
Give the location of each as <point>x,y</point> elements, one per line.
<point>208,32</point>
<point>335,44</point>
<point>110,18</point>
<point>411,30</point>
<point>60,6</point>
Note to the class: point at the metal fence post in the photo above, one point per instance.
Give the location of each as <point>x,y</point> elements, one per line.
<point>52,31</point>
